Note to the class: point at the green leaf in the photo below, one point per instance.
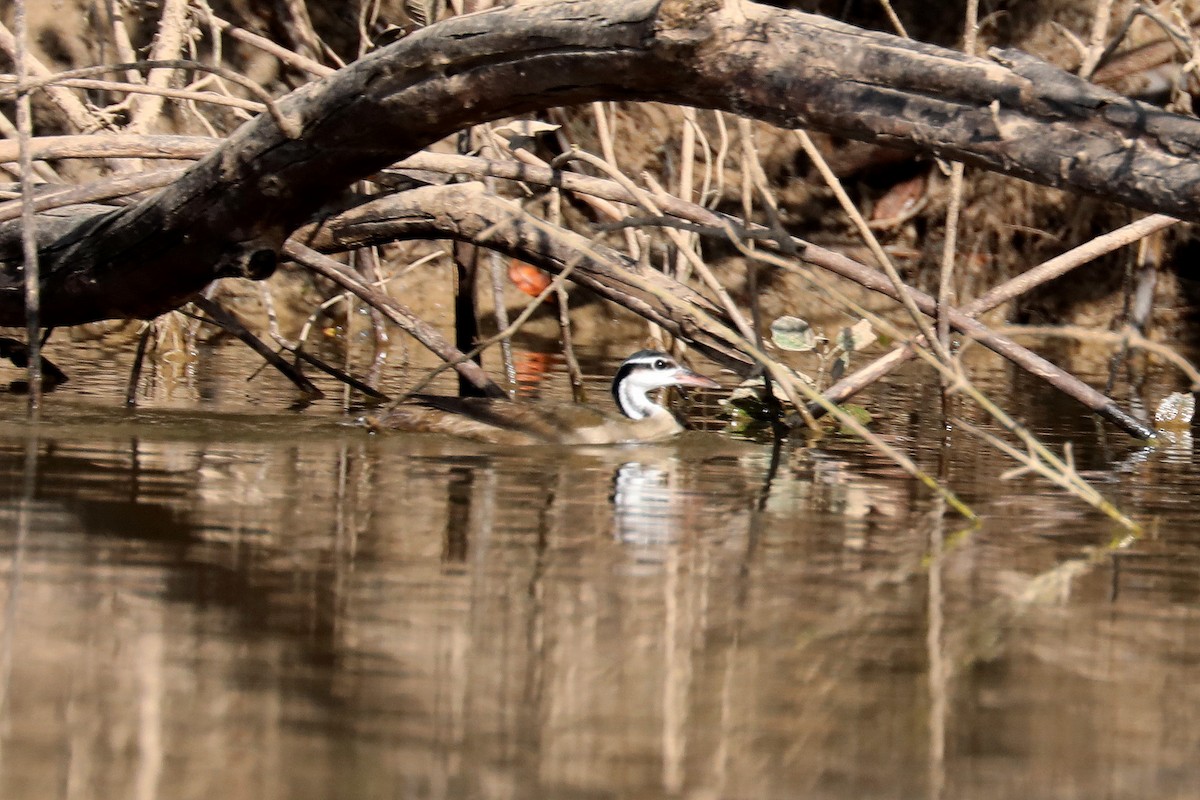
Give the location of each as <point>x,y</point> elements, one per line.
<point>793,333</point>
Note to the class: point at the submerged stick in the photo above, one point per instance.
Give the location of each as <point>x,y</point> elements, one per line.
<point>396,312</point>
<point>228,322</point>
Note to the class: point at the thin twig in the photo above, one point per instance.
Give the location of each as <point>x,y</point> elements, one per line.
<point>1061,473</point>
<point>950,241</point>
<point>643,198</point>
<point>168,44</point>
<point>1049,270</point>
<point>315,68</point>
<point>872,242</point>
<point>393,310</point>
<point>28,217</point>
<point>228,322</point>
<point>894,18</point>
<point>848,421</point>
<point>1101,19</point>
<point>211,98</point>
<point>93,192</point>
<point>289,127</point>
<point>43,170</point>
<point>1039,459</point>
<point>1130,337</point>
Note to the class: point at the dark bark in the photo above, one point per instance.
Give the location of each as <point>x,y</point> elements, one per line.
<point>465,213</point>
<point>230,213</point>
<point>466,316</point>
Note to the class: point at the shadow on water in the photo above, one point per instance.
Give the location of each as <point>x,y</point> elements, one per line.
<point>284,606</point>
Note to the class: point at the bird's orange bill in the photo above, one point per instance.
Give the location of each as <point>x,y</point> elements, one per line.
<point>685,377</point>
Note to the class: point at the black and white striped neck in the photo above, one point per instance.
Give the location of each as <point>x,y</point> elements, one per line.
<point>640,374</point>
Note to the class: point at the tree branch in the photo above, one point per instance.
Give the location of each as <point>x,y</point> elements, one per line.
<point>231,212</point>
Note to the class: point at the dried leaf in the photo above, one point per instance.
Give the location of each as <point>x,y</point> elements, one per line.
<point>522,132</point>
<point>424,12</point>
<point>838,368</point>
<point>857,336</point>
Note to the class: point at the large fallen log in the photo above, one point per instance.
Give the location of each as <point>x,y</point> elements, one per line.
<point>232,211</point>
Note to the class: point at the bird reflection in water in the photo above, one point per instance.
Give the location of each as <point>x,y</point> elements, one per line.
<point>648,511</point>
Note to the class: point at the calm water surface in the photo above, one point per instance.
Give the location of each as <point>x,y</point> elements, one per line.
<point>214,596</point>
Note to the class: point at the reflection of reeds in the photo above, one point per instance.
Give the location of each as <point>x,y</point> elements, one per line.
<point>675,301</point>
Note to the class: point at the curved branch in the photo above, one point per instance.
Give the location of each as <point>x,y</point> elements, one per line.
<point>465,212</point>
<point>231,212</point>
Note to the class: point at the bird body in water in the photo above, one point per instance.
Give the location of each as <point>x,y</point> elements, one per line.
<point>508,422</point>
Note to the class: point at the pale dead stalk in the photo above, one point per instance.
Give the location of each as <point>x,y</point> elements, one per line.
<point>288,126</point>
<point>1038,456</point>
<point>94,192</point>
<point>121,41</point>
<point>687,176</point>
<point>719,161</point>
<point>872,242</point>
<point>893,18</point>
<point>790,384</point>
<point>292,59</point>
<point>139,89</point>
<point>645,201</point>
<point>43,170</point>
<point>1127,338</point>
<point>521,156</point>
<point>1097,39</point>
<point>113,145</point>
<point>168,46</point>
<point>1009,290</point>
<point>1059,471</point>
<point>1072,259</point>
<point>74,111</point>
<point>945,294</point>
<point>604,134</point>
<point>29,244</point>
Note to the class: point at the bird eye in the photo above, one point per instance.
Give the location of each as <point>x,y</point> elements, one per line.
<point>660,364</point>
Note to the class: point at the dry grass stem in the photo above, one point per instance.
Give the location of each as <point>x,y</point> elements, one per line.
<point>1038,459</point>
<point>94,192</point>
<point>954,208</point>
<point>872,242</point>
<point>894,18</point>
<point>286,125</point>
<point>285,56</point>
<point>211,98</point>
<point>788,381</point>
<point>1101,19</point>
<point>168,46</point>
<point>644,199</point>
<point>1038,456</point>
<point>29,244</point>
<point>1128,337</point>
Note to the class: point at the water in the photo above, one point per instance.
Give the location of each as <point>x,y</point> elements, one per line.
<point>221,597</point>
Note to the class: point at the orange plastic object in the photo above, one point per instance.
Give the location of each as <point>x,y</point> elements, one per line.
<point>528,278</point>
